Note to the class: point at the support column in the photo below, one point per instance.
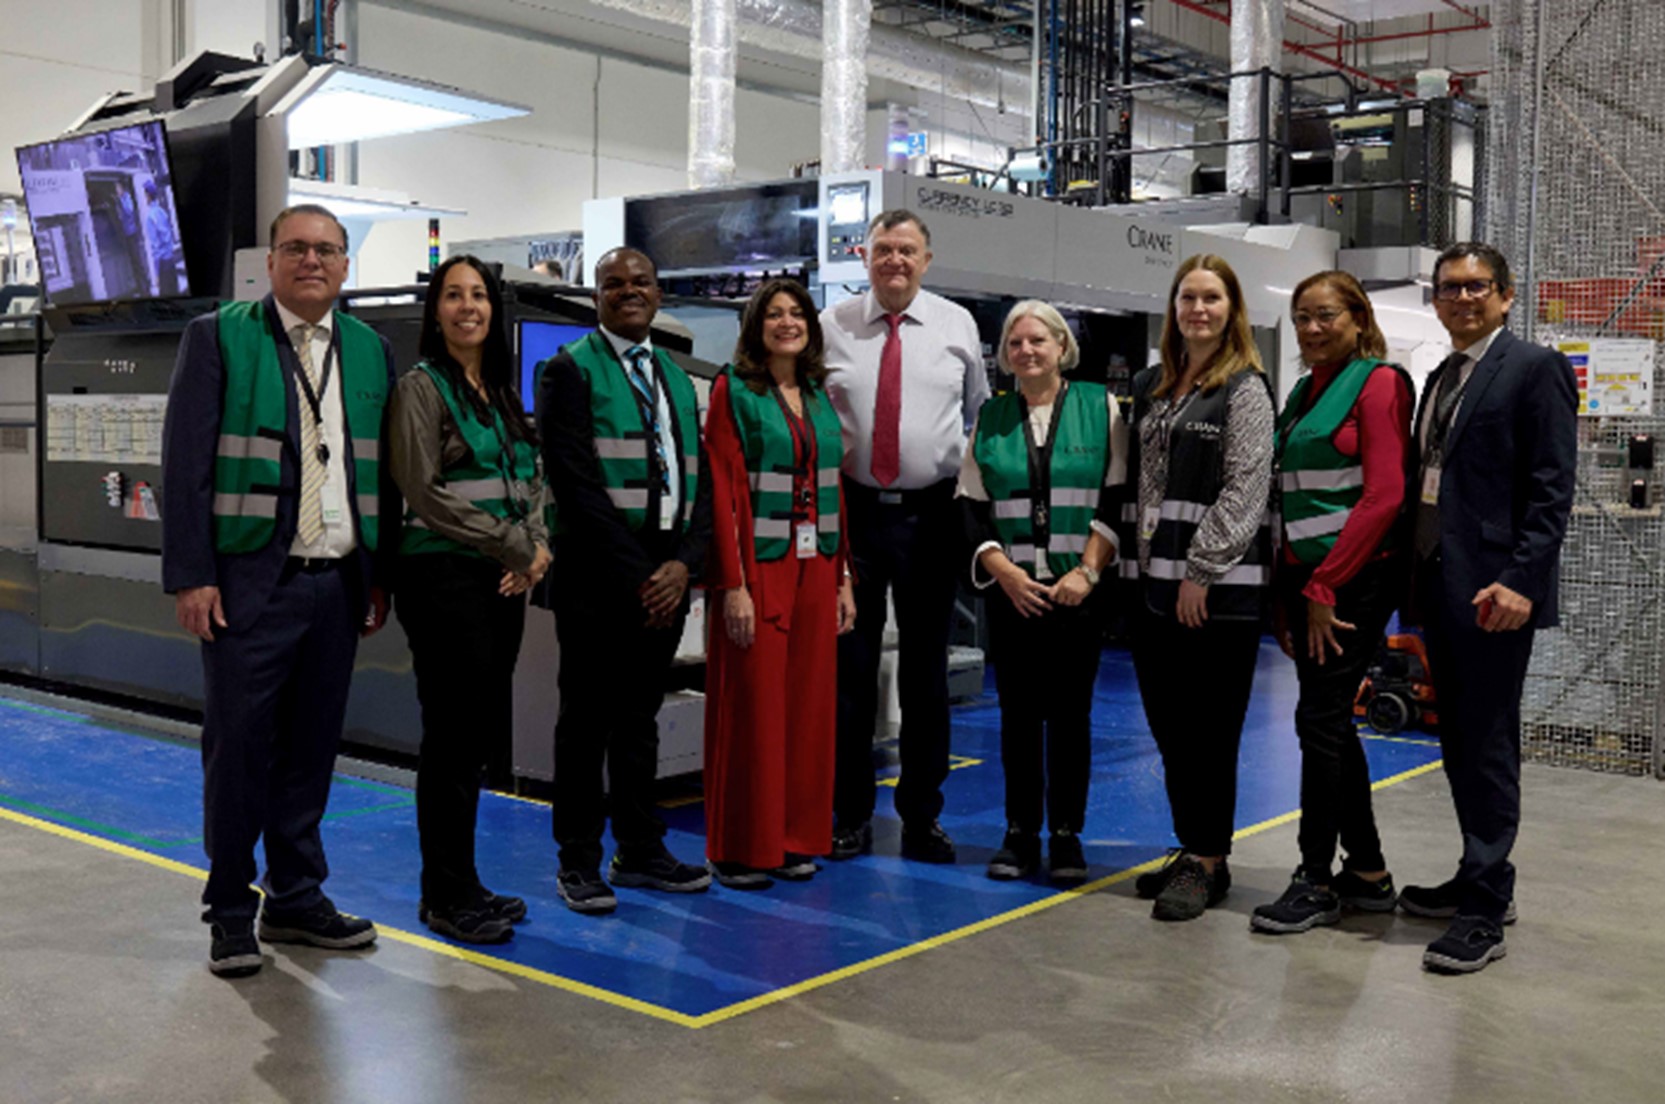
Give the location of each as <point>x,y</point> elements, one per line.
<point>844,31</point>
<point>711,94</point>
<point>1256,43</point>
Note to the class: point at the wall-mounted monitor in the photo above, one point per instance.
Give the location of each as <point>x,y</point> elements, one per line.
<point>104,217</point>
<point>537,341</point>
<point>751,226</point>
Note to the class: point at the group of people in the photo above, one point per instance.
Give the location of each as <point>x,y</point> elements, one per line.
<point>849,460</point>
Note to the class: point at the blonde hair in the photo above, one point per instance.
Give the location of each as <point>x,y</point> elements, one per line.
<point>1237,351</point>
<point>1047,315</point>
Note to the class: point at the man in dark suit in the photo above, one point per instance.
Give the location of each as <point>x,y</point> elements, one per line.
<point>1498,431</point>
<point>621,444</point>
<point>271,499</point>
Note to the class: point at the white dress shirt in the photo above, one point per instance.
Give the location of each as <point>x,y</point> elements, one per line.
<point>944,384</point>
<point>1475,354</point>
<point>670,505</point>
<point>338,539</point>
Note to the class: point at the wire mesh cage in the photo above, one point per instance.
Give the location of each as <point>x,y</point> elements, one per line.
<point>1576,168</point>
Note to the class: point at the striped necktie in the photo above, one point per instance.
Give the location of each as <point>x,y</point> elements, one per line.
<point>648,400</point>
<point>310,522</point>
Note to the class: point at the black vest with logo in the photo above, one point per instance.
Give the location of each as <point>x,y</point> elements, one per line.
<point>1196,476</point>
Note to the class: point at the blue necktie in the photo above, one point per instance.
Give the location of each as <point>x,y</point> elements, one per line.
<point>649,402</point>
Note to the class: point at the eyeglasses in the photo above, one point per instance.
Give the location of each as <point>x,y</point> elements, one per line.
<point>297,250</point>
<point>1325,318</point>
<point>1473,289</point>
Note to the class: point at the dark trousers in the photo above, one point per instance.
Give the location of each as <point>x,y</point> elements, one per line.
<point>1195,686</point>
<point>613,677</point>
<point>464,640</point>
<point>908,549</point>
<point>1335,778</point>
<point>1044,670</point>
<point>1478,679</point>
<point>275,697</point>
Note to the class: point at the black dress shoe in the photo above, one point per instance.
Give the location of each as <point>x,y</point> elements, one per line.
<point>927,844</point>
<point>847,843</point>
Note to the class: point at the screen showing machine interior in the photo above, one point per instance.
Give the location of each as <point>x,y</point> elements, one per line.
<point>771,224</point>
<point>538,342</point>
<point>103,216</point>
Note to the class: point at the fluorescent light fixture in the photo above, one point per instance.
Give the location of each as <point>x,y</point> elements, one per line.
<point>352,201</point>
<point>335,104</point>
<point>1137,20</point>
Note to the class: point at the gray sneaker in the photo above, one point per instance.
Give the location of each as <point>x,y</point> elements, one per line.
<point>1189,892</point>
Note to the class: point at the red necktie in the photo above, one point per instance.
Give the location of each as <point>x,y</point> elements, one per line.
<point>887,408</point>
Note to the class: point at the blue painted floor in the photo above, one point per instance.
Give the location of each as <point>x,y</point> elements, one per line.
<point>699,954</point>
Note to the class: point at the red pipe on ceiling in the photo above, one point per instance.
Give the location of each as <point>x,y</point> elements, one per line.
<point>1293,47</point>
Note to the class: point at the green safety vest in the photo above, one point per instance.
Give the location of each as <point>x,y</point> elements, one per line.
<point>254,423</point>
<point>480,477</point>
<point>621,440</point>
<point>1080,458</point>
<point>767,442</point>
<point>1318,485</point>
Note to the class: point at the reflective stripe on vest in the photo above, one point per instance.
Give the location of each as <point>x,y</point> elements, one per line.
<point>1319,485</point>
<point>1194,483</point>
<point>254,422</point>
<point>1079,460</point>
<point>477,477</point>
<point>766,441</point>
<point>621,442</point>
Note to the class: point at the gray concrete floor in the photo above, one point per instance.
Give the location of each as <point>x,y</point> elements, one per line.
<point>104,996</point>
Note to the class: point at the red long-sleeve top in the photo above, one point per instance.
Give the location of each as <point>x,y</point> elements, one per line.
<point>1377,431</point>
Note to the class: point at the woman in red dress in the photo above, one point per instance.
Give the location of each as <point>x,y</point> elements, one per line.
<point>778,574</point>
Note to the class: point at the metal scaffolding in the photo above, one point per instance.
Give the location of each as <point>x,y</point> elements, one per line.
<point>1577,185</point>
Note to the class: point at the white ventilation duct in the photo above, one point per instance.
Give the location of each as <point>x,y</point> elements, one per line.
<point>794,27</point>
<point>844,37</point>
<point>711,48</point>
<point>1256,43</point>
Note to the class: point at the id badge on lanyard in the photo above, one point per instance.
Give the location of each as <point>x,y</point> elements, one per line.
<point>805,539</point>
<point>1431,485</point>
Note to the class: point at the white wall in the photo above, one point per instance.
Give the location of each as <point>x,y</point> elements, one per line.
<point>599,127</point>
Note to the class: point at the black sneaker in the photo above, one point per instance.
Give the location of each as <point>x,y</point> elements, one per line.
<point>322,925</point>
<point>1151,882</point>
<point>1019,856</point>
<point>1065,860</point>
<point>233,952</point>
<point>476,923</point>
<point>585,892</point>
<point>795,867</point>
<point>512,909</point>
<point>847,843</point>
<point>657,870</point>
<point>1303,906</point>
<point>1440,902</point>
<point>1467,945</point>
<point>927,844</point>
<point>1356,892</point>
<point>1190,890</point>
<point>733,875</point>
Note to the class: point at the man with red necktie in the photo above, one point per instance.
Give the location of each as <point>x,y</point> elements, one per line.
<point>906,373</point>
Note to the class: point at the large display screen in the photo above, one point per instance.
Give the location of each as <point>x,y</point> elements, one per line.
<point>538,341</point>
<point>766,226</point>
<point>101,207</point>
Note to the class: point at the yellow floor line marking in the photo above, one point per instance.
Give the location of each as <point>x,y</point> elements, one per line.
<point>740,1008</point>
<point>955,762</point>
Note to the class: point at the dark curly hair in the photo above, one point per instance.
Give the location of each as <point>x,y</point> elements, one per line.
<point>751,358</point>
